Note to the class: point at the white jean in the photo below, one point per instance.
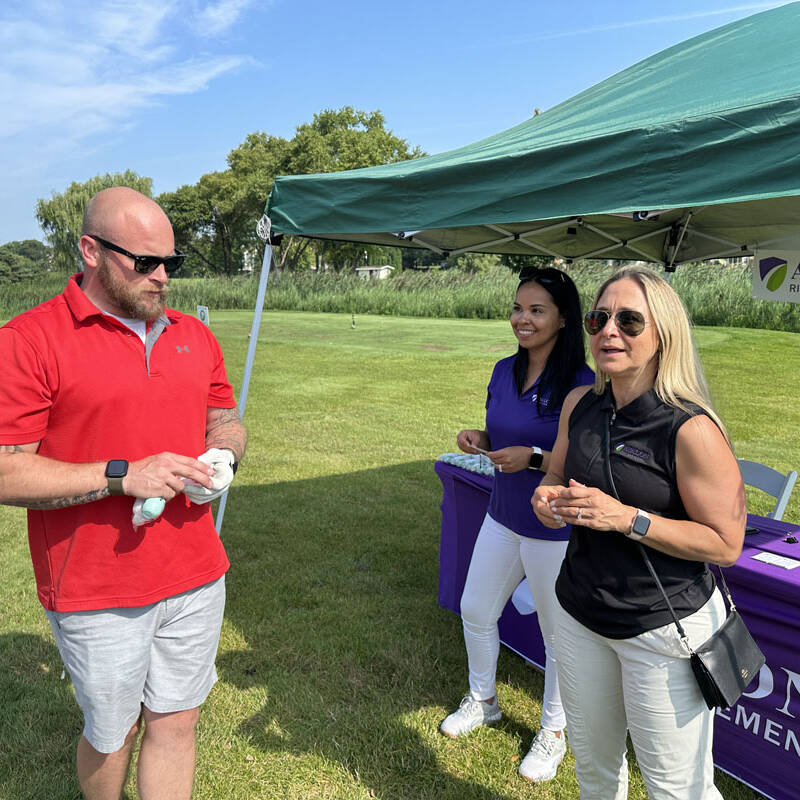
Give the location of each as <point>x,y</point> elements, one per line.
<point>644,685</point>
<point>500,560</point>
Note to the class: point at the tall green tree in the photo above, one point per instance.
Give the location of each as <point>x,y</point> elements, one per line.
<point>215,220</point>
<point>61,216</point>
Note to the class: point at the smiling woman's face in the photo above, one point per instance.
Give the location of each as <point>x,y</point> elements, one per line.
<point>535,318</point>
<point>615,352</point>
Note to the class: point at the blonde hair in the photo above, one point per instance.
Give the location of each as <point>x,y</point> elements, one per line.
<point>679,377</point>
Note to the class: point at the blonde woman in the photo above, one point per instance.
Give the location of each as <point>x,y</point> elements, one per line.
<point>648,434</point>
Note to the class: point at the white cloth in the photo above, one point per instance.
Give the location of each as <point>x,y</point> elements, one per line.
<point>222,462</point>
<point>146,510</point>
<point>643,684</point>
<point>500,560</point>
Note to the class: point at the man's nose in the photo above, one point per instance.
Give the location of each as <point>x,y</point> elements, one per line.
<point>159,274</point>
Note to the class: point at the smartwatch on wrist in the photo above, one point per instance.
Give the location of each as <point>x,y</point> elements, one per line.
<point>639,526</point>
<point>116,470</point>
<point>536,458</point>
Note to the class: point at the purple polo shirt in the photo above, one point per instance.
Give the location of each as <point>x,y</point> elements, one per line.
<point>513,420</point>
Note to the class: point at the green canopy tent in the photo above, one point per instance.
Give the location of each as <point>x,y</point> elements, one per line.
<point>692,153</point>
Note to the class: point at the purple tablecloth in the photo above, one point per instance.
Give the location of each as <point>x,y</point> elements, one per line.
<point>756,741</point>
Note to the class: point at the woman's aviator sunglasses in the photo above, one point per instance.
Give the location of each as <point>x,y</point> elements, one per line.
<point>631,323</point>
<point>144,265</point>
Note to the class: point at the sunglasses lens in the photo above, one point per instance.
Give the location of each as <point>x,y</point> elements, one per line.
<point>594,322</point>
<point>174,262</point>
<point>630,323</point>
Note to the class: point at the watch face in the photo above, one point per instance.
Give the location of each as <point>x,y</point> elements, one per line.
<point>641,525</point>
<point>116,468</point>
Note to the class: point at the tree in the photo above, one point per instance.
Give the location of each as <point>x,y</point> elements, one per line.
<point>215,220</point>
<point>32,249</point>
<point>61,216</point>
<point>15,268</point>
<point>516,263</point>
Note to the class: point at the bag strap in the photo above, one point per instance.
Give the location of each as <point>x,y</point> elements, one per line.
<point>642,549</point>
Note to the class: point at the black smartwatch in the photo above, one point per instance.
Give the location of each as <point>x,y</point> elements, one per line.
<point>639,526</point>
<point>536,458</point>
<point>116,470</point>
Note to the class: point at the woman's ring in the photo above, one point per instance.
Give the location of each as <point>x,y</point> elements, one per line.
<point>580,513</point>
<point>499,467</point>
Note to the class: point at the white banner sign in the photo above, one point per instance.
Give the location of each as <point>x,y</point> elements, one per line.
<point>776,275</point>
<point>202,314</point>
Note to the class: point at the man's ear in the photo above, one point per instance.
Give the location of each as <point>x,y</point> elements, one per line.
<point>90,251</point>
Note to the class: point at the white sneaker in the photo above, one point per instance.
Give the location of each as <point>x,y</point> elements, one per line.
<point>471,714</point>
<point>541,763</point>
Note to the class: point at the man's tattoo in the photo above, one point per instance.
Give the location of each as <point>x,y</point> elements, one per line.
<point>10,449</point>
<point>227,431</point>
<point>63,502</point>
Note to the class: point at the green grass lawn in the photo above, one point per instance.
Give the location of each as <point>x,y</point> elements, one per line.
<point>335,663</point>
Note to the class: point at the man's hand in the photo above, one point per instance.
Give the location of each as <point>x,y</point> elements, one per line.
<point>160,475</point>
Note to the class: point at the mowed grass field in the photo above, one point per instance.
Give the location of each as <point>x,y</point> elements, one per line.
<point>336,664</point>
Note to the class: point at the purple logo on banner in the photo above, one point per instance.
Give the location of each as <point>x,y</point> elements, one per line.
<point>778,268</point>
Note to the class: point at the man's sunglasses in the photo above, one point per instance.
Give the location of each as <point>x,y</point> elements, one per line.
<point>543,275</point>
<point>144,265</point>
<point>631,323</point>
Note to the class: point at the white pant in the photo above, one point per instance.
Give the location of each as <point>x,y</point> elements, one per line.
<point>500,560</point>
<point>644,684</point>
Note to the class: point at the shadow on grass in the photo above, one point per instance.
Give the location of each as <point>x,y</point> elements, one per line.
<point>333,585</point>
<point>39,722</point>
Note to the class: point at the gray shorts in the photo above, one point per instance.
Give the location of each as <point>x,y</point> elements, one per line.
<point>161,655</point>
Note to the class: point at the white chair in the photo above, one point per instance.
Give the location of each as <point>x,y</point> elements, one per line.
<point>770,481</point>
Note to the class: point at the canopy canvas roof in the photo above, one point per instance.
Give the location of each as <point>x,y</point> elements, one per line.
<point>692,153</point>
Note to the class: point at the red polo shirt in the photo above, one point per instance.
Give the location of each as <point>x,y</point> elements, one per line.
<point>81,383</point>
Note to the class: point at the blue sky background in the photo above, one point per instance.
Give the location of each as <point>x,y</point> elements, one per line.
<point>168,87</point>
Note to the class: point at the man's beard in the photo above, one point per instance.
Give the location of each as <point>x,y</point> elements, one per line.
<point>126,298</point>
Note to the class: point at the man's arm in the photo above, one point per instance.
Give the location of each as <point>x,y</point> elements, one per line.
<point>33,481</point>
<point>224,430</point>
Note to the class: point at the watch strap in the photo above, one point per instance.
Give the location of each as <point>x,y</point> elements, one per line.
<point>115,486</point>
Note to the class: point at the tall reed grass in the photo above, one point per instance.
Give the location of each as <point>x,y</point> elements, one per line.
<point>713,294</point>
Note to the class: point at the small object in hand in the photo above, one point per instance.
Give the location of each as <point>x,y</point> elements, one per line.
<point>152,507</point>
<point>790,539</point>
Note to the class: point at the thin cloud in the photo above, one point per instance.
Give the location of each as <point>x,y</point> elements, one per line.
<point>86,68</point>
<point>637,23</point>
<point>219,17</point>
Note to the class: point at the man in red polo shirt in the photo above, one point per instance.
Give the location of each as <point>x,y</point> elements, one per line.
<point>107,396</point>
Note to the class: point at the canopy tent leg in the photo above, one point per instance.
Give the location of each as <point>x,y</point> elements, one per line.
<point>263,228</point>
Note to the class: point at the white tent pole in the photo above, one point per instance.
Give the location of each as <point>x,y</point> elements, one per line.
<point>264,227</point>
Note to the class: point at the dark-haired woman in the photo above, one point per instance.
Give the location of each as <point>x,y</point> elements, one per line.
<point>523,403</point>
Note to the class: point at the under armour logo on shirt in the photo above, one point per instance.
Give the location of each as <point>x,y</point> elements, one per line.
<point>184,349</point>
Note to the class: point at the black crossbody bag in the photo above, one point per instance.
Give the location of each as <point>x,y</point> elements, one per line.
<point>726,663</point>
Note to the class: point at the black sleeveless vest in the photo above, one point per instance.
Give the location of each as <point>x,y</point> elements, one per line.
<point>604,583</point>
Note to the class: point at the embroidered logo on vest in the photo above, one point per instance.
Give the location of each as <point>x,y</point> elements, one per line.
<point>629,450</point>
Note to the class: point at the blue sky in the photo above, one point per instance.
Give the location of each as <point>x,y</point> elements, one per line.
<point>168,87</point>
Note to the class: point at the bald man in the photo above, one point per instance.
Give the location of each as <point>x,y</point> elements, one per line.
<point>108,396</point>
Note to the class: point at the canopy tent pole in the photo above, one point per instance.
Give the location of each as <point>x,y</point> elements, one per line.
<point>263,229</point>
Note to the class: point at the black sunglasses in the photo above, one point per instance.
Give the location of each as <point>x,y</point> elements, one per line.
<point>631,323</point>
<point>144,265</point>
<point>543,275</point>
